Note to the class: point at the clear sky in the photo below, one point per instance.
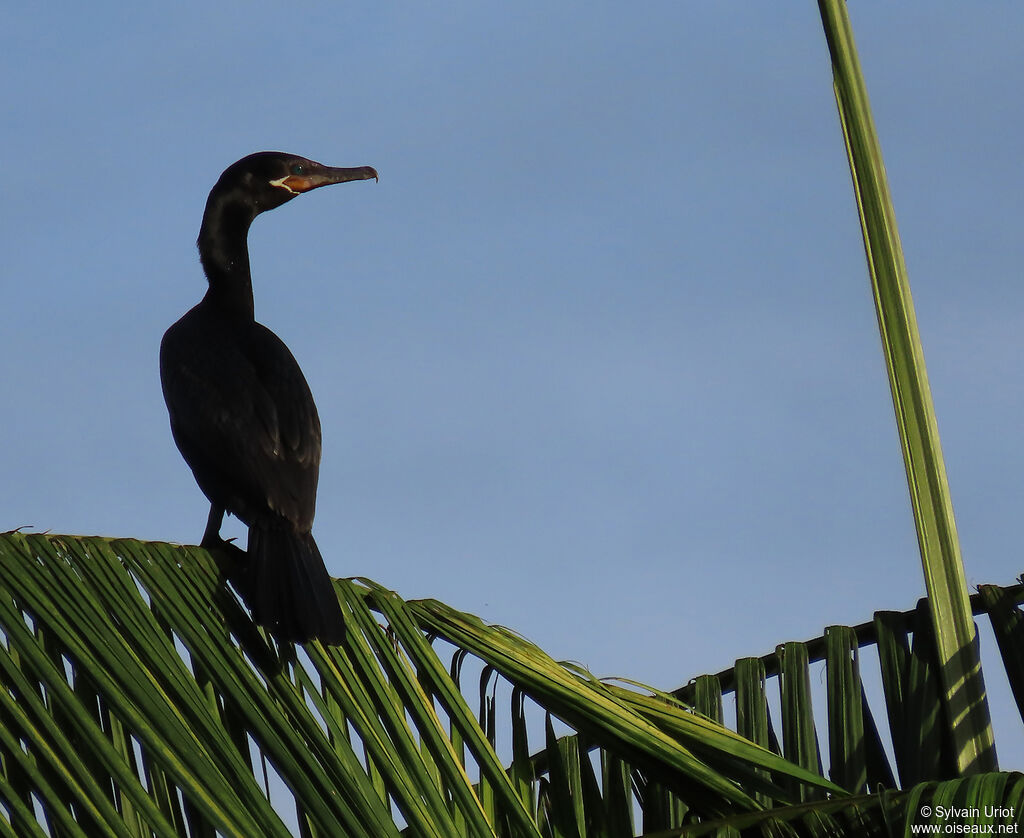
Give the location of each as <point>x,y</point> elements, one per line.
<point>596,358</point>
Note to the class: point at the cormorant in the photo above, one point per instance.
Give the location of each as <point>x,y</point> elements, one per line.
<point>241,412</point>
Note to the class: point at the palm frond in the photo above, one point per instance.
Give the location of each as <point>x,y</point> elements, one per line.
<point>984,803</point>
<point>139,698</point>
<point>959,669</point>
<point>919,727</point>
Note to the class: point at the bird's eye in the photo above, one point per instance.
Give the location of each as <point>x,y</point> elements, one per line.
<point>298,169</point>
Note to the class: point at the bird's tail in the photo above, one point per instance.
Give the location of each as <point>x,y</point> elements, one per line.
<point>290,591</point>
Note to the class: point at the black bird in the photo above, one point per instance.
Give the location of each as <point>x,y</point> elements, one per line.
<point>241,411</point>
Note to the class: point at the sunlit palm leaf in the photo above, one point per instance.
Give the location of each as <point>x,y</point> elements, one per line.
<point>139,697</point>
<point>915,415</point>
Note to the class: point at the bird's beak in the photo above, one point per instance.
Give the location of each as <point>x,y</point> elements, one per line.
<point>324,176</point>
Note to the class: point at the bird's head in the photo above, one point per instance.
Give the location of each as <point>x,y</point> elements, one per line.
<point>267,179</point>
<point>252,185</point>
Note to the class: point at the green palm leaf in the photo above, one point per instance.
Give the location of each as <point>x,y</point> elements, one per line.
<point>960,669</point>
<point>139,698</point>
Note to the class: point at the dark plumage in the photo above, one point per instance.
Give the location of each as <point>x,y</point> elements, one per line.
<point>241,412</point>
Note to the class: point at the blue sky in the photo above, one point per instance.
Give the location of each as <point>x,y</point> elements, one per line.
<point>596,358</point>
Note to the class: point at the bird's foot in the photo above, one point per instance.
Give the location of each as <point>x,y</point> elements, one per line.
<point>233,561</point>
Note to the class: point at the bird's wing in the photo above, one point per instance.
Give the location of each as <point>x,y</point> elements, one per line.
<point>245,421</point>
<point>296,425</point>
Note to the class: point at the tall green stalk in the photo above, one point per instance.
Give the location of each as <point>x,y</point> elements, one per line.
<point>915,414</point>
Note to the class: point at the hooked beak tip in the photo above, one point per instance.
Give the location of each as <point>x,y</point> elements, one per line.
<point>325,176</point>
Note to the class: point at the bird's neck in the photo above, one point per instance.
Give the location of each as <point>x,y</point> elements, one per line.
<point>224,253</point>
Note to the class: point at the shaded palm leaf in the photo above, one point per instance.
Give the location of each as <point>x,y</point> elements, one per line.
<point>993,801</point>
